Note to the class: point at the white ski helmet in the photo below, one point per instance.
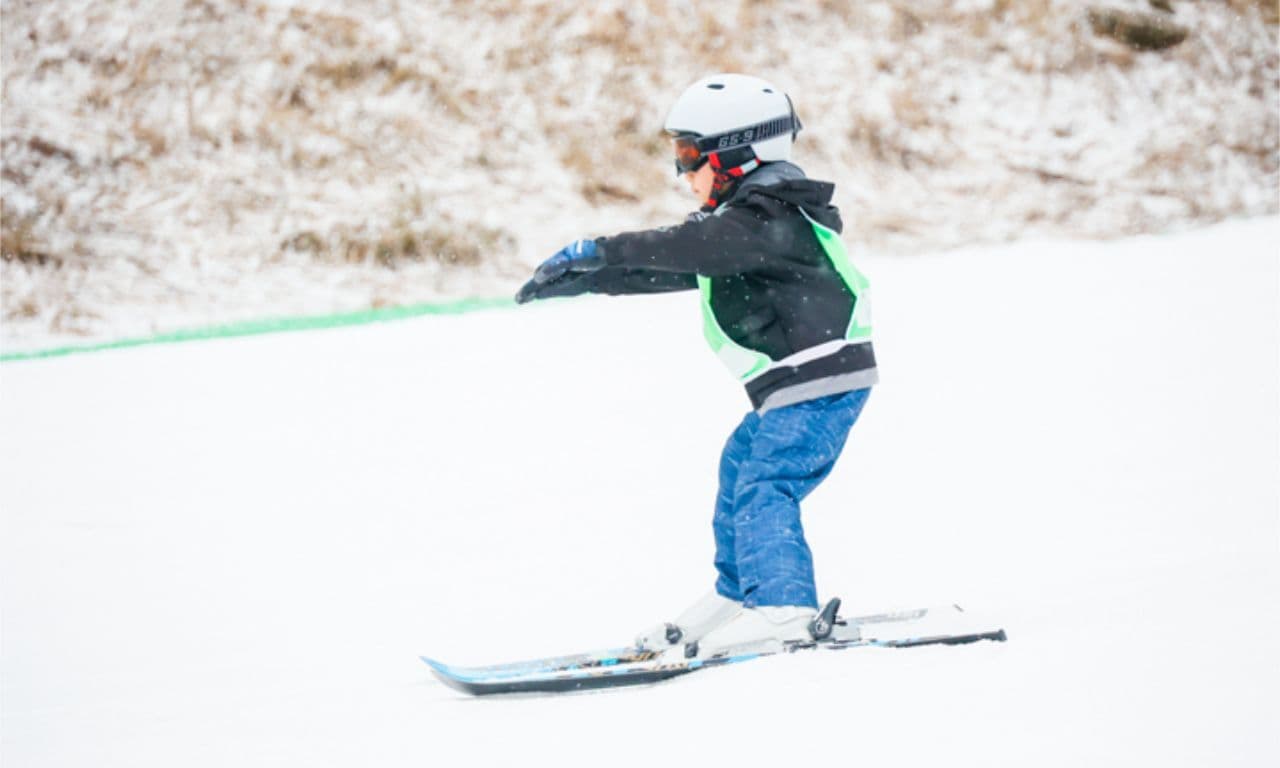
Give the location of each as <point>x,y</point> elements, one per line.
<point>728,111</point>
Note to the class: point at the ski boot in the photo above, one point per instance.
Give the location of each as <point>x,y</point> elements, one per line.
<point>710,611</point>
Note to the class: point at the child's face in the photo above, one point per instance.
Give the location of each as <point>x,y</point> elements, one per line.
<point>700,181</point>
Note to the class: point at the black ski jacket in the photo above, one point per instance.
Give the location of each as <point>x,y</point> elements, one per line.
<point>773,287</point>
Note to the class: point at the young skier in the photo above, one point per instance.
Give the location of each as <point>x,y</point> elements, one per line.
<point>784,309</point>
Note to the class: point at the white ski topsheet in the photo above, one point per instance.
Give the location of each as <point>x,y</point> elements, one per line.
<point>232,553</point>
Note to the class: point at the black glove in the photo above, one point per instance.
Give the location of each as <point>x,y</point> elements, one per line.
<point>568,284</point>
<point>578,256</point>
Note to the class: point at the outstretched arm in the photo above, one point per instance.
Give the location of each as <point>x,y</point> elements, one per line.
<point>730,243</point>
<point>614,281</point>
<point>582,267</point>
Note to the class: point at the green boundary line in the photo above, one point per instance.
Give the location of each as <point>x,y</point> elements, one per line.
<point>272,325</point>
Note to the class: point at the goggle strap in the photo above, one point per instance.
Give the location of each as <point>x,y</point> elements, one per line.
<point>741,137</point>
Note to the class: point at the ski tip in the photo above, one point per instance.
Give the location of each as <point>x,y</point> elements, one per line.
<point>444,674</point>
<point>438,666</point>
<point>450,676</point>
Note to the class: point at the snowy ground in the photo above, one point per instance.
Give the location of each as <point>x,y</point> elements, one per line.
<point>232,552</point>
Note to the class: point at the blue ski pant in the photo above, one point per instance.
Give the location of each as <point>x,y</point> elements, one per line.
<point>769,465</point>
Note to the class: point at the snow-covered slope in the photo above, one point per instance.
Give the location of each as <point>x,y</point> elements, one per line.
<point>231,553</point>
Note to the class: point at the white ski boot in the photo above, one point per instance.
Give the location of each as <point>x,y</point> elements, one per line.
<point>765,629</point>
<point>710,611</point>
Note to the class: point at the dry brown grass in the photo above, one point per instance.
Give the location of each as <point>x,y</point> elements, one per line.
<point>253,132</point>
<point>18,242</point>
<point>446,243</point>
<point>1269,10</point>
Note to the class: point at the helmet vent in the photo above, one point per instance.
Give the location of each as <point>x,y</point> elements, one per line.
<point>716,86</point>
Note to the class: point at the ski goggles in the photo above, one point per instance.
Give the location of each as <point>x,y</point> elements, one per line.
<point>692,150</point>
<point>689,156</point>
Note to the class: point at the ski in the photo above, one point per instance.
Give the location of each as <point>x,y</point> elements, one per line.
<point>587,660</point>
<point>947,625</point>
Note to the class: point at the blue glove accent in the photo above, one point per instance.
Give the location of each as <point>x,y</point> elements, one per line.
<point>578,256</point>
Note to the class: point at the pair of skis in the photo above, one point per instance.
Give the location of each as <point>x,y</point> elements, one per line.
<point>617,667</point>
